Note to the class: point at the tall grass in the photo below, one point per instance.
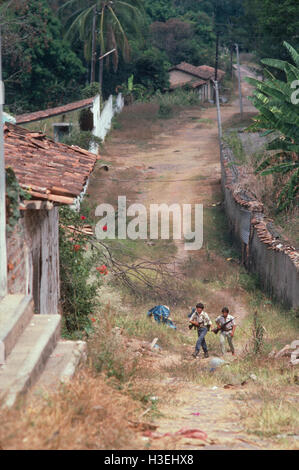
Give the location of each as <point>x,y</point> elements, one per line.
<point>177,98</point>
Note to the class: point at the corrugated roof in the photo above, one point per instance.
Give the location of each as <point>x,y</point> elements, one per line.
<point>203,71</point>
<point>50,170</point>
<point>38,115</point>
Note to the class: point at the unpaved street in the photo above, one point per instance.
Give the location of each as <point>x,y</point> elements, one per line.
<point>180,164</point>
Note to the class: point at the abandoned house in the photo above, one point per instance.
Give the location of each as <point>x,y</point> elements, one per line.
<point>59,121</point>
<point>54,174</point>
<point>199,78</point>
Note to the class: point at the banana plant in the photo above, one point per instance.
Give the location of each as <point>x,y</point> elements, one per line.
<point>278,115</point>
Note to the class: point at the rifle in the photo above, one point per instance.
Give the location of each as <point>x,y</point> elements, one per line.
<point>216,330</point>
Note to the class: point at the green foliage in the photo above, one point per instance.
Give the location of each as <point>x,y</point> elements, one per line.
<point>83,139</point>
<point>278,114</point>
<point>190,39</point>
<point>258,334</point>
<point>165,110</point>
<point>131,91</point>
<point>14,195</point>
<point>270,23</point>
<point>78,281</point>
<point>39,68</point>
<point>113,22</point>
<point>181,97</point>
<point>90,90</point>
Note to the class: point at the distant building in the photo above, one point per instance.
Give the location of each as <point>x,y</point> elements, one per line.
<point>89,114</point>
<point>199,78</point>
<point>58,121</point>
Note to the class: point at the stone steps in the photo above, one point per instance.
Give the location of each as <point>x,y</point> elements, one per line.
<point>32,354</point>
<point>15,314</point>
<point>61,365</point>
<point>28,357</point>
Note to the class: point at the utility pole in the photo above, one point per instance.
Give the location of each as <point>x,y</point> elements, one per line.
<point>239,79</point>
<point>216,63</point>
<point>217,56</point>
<point>218,112</point>
<point>3,255</point>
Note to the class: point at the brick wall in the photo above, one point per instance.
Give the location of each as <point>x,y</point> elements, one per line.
<point>17,260</point>
<point>263,253</point>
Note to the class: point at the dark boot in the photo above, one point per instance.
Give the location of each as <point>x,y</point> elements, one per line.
<point>206,354</point>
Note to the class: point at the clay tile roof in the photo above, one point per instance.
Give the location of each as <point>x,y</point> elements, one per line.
<point>203,71</point>
<point>50,170</point>
<point>36,116</point>
<point>192,83</point>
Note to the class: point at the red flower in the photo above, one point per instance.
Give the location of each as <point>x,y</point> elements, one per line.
<point>77,247</point>
<point>102,269</point>
<point>93,320</point>
<point>105,228</point>
<point>83,217</point>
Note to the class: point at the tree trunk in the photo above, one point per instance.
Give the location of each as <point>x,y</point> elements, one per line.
<point>93,52</point>
<point>101,70</point>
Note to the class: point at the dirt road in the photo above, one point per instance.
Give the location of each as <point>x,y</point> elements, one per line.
<point>180,164</point>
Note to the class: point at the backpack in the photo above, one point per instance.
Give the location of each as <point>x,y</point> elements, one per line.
<point>192,311</point>
<point>161,314</point>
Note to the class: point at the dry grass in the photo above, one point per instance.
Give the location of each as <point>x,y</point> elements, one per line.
<point>84,414</point>
<point>138,122</point>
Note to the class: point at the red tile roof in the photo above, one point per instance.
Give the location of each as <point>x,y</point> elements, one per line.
<point>203,71</point>
<point>36,116</point>
<point>206,72</point>
<point>50,170</point>
<point>191,83</point>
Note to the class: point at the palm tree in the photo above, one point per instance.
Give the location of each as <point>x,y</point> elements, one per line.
<point>278,115</point>
<point>103,23</point>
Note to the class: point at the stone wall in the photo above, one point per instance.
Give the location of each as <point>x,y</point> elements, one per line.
<point>17,261</point>
<point>264,251</point>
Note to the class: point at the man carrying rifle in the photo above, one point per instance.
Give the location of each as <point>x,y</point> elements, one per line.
<point>202,322</point>
<point>226,326</point>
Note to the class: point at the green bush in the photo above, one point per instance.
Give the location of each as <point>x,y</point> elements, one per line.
<point>181,97</point>
<point>82,139</point>
<point>165,110</point>
<point>77,290</point>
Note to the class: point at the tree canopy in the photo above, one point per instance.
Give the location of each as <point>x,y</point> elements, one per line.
<point>41,67</point>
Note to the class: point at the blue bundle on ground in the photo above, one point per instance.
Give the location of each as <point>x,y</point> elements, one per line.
<point>161,314</point>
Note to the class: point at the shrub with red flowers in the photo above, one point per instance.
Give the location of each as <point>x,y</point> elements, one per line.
<point>102,269</point>
<point>77,262</point>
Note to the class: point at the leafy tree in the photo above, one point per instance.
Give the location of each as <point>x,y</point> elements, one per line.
<point>278,114</point>
<point>39,68</point>
<point>160,10</point>
<point>151,70</point>
<point>190,40</point>
<point>270,24</point>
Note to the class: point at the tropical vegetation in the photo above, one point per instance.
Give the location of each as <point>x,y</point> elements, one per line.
<point>278,115</point>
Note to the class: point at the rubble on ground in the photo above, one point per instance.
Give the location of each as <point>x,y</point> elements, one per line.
<point>289,350</point>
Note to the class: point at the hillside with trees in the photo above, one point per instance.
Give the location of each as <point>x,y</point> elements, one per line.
<point>48,43</point>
